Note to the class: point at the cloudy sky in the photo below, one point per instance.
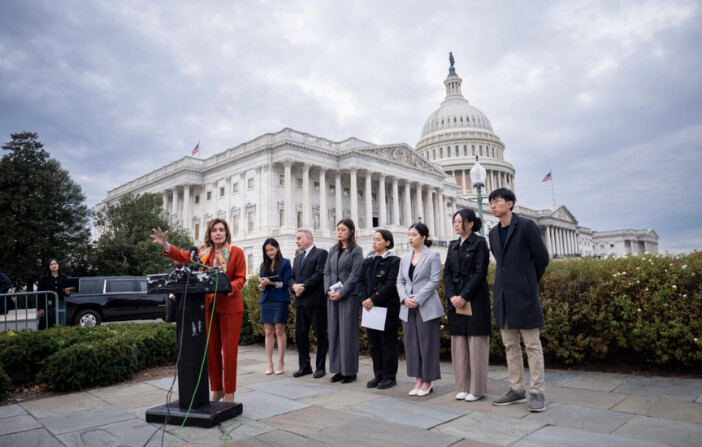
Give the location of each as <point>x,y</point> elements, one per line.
<point>607,95</point>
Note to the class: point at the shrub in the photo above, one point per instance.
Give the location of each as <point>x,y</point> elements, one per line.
<point>5,382</point>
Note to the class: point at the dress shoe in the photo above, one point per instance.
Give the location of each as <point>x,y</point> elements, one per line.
<point>473,397</point>
<point>461,396</point>
<point>319,374</point>
<point>413,391</point>
<point>302,372</point>
<point>336,377</point>
<point>277,373</point>
<point>425,393</point>
<point>348,379</point>
<point>386,383</point>
<point>373,383</point>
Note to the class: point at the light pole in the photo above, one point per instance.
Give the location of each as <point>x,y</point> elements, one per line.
<point>477,177</point>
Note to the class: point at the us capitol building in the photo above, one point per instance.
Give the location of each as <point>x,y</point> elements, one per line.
<point>279,182</point>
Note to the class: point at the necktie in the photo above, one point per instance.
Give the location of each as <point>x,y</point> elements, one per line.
<point>302,261</point>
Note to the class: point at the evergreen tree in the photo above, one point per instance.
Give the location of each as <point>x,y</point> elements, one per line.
<point>43,214</point>
<point>125,248</point>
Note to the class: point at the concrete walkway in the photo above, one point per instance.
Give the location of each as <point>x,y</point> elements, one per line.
<point>583,409</point>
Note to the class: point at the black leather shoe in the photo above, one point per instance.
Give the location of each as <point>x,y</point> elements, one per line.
<point>336,377</point>
<point>348,379</point>
<point>386,383</point>
<point>319,374</point>
<point>302,372</point>
<point>372,383</point>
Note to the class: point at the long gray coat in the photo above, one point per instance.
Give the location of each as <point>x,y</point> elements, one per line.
<point>343,314</point>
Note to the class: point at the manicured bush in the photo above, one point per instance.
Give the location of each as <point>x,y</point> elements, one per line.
<point>5,382</point>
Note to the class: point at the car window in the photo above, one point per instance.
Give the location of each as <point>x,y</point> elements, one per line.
<point>90,285</point>
<point>142,285</point>
<point>119,285</point>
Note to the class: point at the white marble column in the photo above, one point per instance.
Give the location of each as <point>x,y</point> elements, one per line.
<point>187,207</point>
<point>306,207</point>
<point>420,205</point>
<point>176,200</point>
<point>323,212</point>
<point>442,214</point>
<point>395,203</point>
<point>431,216</point>
<point>382,209</point>
<point>354,195</point>
<point>339,204</point>
<point>408,205</point>
<point>288,211</point>
<point>164,194</point>
<point>265,204</point>
<point>243,222</point>
<point>548,241</point>
<point>368,196</point>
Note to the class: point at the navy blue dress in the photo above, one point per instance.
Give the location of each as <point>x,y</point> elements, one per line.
<point>275,302</point>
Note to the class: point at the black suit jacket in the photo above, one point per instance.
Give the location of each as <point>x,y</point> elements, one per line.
<point>465,274</point>
<point>520,266</point>
<point>384,288</point>
<point>311,275</point>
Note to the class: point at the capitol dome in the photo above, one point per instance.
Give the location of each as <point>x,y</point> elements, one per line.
<point>458,133</point>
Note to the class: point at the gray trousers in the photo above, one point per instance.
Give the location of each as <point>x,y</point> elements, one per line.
<point>422,346</point>
<point>344,333</point>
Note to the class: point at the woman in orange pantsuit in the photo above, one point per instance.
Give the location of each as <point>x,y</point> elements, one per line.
<point>223,345</point>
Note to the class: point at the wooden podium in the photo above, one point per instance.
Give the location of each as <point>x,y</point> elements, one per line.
<point>189,288</point>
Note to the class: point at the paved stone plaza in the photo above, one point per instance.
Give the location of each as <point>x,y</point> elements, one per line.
<point>583,409</point>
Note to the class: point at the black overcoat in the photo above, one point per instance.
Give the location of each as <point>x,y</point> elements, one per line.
<point>384,288</point>
<point>465,274</point>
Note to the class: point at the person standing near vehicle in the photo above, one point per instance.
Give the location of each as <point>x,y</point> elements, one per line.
<point>5,285</point>
<point>521,258</point>
<point>52,280</point>
<point>224,310</point>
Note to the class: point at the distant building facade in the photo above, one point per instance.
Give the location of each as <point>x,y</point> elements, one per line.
<point>279,182</point>
<point>625,242</point>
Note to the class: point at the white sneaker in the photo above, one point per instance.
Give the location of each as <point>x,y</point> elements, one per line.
<point>472,398</point>
<point>461,395</point>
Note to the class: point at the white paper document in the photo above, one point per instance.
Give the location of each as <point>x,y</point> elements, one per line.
<point>336,287</point>
<point>374,318</point>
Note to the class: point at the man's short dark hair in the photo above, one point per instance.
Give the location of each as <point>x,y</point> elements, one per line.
<point>503,193</point>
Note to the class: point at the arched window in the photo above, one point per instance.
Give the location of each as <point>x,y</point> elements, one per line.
<point>472,150</point>
<point>480,148</point>
<point>448,151</point>
<point>457,154</point>
<point>441,152</point>
<point>433,154</point>
<point>454,119</point>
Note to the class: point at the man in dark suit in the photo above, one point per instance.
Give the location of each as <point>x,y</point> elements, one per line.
<point>521,258</point>
<point>307,283</point>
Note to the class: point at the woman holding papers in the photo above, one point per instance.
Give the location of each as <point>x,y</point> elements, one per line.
<point>342,284</point>
<point>379,285</point>
<point>465,281</point>
<point>421,310</point>
<point>275,300</point>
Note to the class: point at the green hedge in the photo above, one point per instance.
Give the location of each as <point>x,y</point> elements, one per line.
<point>638,311</point>
<point>5,382</point>
<point>72,358</point>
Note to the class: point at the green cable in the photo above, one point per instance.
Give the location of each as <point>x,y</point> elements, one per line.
<point>225,435</point>
<point>204,358</point>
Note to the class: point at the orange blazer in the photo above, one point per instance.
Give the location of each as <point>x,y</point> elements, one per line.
<point>226,303</point>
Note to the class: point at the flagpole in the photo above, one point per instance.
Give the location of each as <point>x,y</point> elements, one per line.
<point>553,194</point>
<point>198,150</point>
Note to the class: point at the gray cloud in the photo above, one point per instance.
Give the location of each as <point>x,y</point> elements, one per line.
<point>607,95</point>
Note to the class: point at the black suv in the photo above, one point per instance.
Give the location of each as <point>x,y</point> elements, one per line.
<point>113,298</point>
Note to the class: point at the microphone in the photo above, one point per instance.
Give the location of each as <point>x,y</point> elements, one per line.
<point>193,254</point>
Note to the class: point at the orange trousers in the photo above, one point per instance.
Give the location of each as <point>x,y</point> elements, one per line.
<point>223,349</point>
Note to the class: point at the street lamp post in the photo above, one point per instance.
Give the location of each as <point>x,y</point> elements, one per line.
<point>477,177</point>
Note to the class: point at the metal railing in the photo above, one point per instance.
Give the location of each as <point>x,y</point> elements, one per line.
<point>27,317</point>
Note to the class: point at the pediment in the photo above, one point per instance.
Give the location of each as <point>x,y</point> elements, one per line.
<point>402,155</point>
<point>564,214</point>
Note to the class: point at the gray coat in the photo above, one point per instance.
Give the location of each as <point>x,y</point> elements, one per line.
<point>346,268</point>
<point>423,284</point>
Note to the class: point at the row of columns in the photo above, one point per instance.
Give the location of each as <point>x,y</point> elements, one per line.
<point>493,181</point>
<point>561,241</point>
<point>433,214</point>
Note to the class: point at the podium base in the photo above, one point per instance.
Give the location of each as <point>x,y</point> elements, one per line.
<point>206,416</point>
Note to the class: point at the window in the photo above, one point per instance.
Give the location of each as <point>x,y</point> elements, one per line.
<point>119,286</point>
<point>346,192</point>
<point>197,199</point>
<point>221,191</point>
<point>281,217</point>
<point>472,150</point>
<point>235,187</point>
<point>251,217</point>
<point>480,147</point>
<point>298,181</point>
<point>316,221</point>
<point>299,219</point>
<point>454,119</point>
<point>465,150</point>
<point>433,154</point>
<point>281,180</point>
<point>448,151</point>
<point>359,193</point>
<point>197,232</point>
<point>332,188</point>
<point>315,186</point>
<point>249,263</point>
<point>374,197</point>
<point>250,183</point>
<point>209,195</point>
<point>235,225</point>
<point>441,152</point>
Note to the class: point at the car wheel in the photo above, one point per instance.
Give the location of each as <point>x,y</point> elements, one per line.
<point>88,318</point>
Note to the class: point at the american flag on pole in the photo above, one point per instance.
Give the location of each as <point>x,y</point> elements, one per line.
<point>548,177</point>
<point>197,149</point>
